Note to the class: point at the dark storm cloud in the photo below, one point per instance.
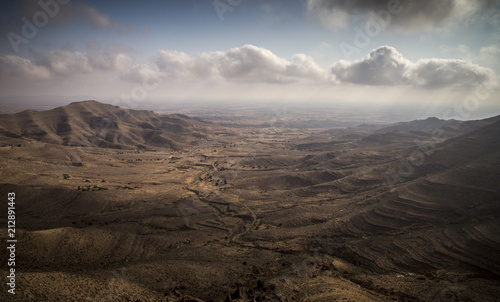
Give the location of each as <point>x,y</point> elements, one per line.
<point>406,15</point>
<point>68,11</point>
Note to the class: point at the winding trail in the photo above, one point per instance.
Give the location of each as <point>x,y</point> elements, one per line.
<point>218,206</point>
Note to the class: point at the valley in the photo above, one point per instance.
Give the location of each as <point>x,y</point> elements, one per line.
<point>130,205</point>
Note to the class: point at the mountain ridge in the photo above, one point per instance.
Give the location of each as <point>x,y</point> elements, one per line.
<point>91,123</point>
<point>431,123</point>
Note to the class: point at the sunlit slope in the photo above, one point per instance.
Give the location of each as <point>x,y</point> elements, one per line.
<point>91,123</point>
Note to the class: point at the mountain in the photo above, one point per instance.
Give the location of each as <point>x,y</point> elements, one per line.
<point>476,145</point>
<point>418,125</point>
<point>442,215</point>
<point>405,134</point>
<point>90,123</point>
<point>432,123</point>
<point>445,216</point>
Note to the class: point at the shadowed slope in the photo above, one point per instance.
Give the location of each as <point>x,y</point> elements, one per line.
<point>445,218</point>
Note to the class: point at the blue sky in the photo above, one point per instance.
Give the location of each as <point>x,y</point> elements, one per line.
<point>380,51</point>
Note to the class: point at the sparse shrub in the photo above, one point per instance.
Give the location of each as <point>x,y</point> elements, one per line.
<point>66,176</point>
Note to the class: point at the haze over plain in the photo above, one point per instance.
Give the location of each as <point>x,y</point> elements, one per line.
<point>417,53</point>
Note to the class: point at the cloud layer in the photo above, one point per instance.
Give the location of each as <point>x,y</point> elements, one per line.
<point>67,63</point>
<point>406,15</point>
<point>246,64</point>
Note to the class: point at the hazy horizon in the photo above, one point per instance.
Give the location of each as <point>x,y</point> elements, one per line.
<point>443,54</point>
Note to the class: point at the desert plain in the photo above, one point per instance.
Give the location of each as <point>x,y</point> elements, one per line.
<point>117,204</point>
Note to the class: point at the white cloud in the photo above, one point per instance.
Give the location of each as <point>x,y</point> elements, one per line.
<point>63,62</point>
<point>251,63</point>
<point>12,66</point>
<point>142,74</point>
<point>242,64</point>
<point>176,64</point>
<point>72,63</point>
<point>433,73</point>
<point>386,66</point>
<point>383,66</point>
<point>487,55</point>
<point>305,66</point>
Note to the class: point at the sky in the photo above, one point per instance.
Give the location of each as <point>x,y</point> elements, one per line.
<point>427,52</point>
